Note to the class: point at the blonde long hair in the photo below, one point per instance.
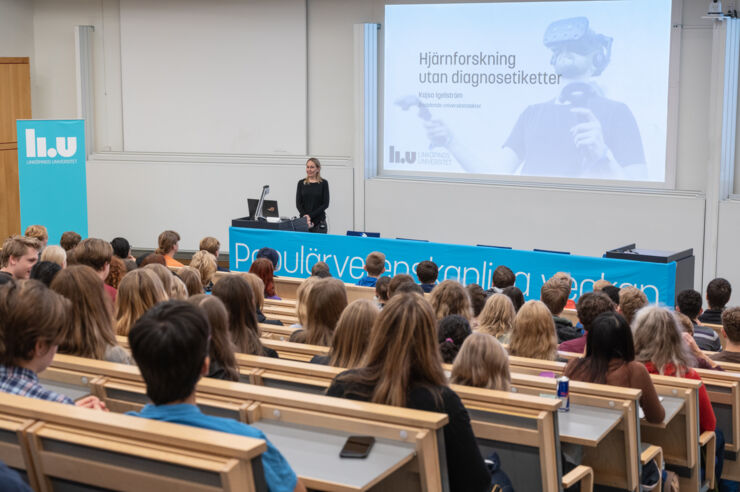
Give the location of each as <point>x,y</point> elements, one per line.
<point>534,333</point>
<point>318,170</point>
<point>482,362</point>
<point>402,353</point>
<point>352,334</point>
<point>90,332</point>
<point>497,316</point>
<point>139,290</point>
<point>658,340</point>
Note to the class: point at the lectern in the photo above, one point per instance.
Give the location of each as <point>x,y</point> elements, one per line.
<point>296,225</point>
<point>684,261</point>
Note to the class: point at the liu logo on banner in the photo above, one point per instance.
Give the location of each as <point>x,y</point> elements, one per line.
<point>36,147</point>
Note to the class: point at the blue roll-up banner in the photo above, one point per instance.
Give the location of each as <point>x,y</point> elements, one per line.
<point>52,177</point>
<point>345,255</point>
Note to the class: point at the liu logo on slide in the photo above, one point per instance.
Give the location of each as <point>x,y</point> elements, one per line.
<point>36,147</point>
<point>394,156</point>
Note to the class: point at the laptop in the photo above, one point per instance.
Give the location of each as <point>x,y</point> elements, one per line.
<point>269,207</point>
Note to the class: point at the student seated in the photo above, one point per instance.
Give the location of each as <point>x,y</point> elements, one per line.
<point>482,362</point>
<point>497,317</point>
<point>534,334</point>
<point>221,348</point>
<point>515,294</point>
<point>660,347</point>
<point>117,271</point>
<point>69,240</point>
<point>32,322</point>
<point>262,267</point>
<point>688,302</point>
<point>452,331</point>
<point>122,248</point>
<point>374,268</point>
<point>205,263</point>
<point>170,346</point>
<point>95,253</point>
<point>477,297</point>
<point>351,336</point>
<point>55,254</point>
<point>168,245</point>
<point>501,278</point>
<point>610,359</point>
<point>191,278</point>
<point>613,292</point>
<point>403,368</point>
<point>90,332</point>
<point>139,290</point>
<point>271,255</point>
<point>325,302</point>
<point>237,296</point>
<point>45,271</point>
<point>450,297</point>
<point>18,255</point>
<point>589,306</point>
<point>258,291</point>
<point>427,271</point>
<point>631,300</point>
<point>39,232</point>
<point>213,246</point>
<point>731,332</point>
<point>719,291</point>
<point>398,282</point>
<point>381,291</point>
<point>321,270</point>
<point>554,294</point>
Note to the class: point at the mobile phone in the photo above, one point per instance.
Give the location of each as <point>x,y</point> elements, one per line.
<point>357,447</point>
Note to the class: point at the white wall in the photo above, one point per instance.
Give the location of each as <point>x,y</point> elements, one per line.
<point>135,198</point>
<point>16,28</point>
<point>728,253</point>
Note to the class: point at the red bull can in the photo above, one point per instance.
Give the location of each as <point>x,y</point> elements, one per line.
<point>563,394</point>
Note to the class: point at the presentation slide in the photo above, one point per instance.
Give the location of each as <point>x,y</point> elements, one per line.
<point>571,89</point>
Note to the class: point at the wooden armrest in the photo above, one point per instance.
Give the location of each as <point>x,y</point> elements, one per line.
<point>581,473</point>
<point>652,452</point>
<point>708,439</point>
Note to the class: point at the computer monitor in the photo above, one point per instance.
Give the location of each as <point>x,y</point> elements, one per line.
<point>269,208</point>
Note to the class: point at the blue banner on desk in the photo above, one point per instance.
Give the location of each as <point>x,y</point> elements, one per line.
<point>52,176</point>
<point>345,256</point>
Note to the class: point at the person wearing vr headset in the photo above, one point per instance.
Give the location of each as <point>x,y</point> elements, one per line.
<point>579,133</point>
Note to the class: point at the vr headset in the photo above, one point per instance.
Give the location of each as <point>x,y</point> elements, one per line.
<point>574,35</point>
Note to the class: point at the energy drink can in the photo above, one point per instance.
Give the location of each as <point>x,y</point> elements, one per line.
<point>563,394</point>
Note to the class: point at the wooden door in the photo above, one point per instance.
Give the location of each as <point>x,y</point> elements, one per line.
<point>15,103</point>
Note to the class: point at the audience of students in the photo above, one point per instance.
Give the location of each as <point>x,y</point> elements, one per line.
<point>612,291</point>
<point>516,295</point>
<point>191,278</point>
<point>403,368</point>
<point>18,255</point>
<point>554,294</point>
<point>179,289</point>
<point>149,259</point>
<point>90,331</point>
<point>264,269</point>
<point>271,255</point>
<point>501,278</point>
<point>660,346</point>
<point>170,346</point>
<point>427,271</point>
<point>165,276</point>
<point>54,254</point>
<point>95,253</point>
<point>69,240</point>
<point>534,334</point>
<point>121,248</point>
<point>320,269</point>
<point>205,263</point>
<point>33,319</point>
<point>374,268</point>
<point>589,306</point>
<point>631,300</point>
<point>351,335</point>
<point>45,271</point>
<point>397,281</point>
<point>301,302</point>
<point>221,348</point>
<point>117,271</point>
<point>452,330</point>
<point>258,291</point>
<point>477,297</point>
<point>610,359</point>
<point>325,302</point>
<point>238,298</point>
<point>213,246</point>
<point>719,291</point>
<point>168,245</point>
<point>139,290</point>
<point>731,332</point>
<point>450,297</point>
<point>482,362</point>
<point>497,317</point>
<point>38,232</point>
<point>689,302</point>
<point>381,291</point>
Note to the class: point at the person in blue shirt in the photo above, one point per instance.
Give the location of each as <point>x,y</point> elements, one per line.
<point>170,345</point>
<point>374,266</point>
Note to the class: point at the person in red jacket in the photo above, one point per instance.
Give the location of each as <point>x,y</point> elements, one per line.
<point>659,345</point>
